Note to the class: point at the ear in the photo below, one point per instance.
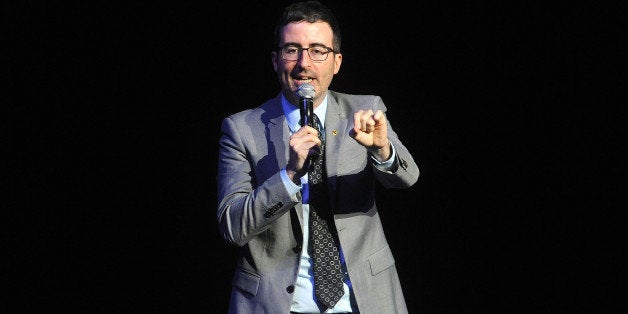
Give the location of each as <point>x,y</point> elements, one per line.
<point>337,62</point>
<point>273,58</point>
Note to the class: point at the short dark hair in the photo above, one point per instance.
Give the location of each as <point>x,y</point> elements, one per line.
<point>309,11</point>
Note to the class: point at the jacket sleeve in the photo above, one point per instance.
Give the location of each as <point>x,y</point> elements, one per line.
<point>246,207</point>
<point>406,171</point>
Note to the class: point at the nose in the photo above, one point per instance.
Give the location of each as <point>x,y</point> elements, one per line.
<point>304,58</point>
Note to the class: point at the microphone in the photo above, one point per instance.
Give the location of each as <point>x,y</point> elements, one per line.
<point>306,94</point>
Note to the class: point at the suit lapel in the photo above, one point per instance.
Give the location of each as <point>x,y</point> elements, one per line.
<point>335,133</point>
<point>278,132</point>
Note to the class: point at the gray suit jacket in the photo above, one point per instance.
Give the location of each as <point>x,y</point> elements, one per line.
<point>256,213</point>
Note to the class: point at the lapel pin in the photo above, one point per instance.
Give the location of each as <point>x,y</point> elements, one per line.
<point>334,132</point>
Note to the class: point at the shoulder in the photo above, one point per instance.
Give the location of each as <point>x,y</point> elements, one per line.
<point>356,102</point>
<point>264,112</point>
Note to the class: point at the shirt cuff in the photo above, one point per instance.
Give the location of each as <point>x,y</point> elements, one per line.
<point>292,188</point>
<point>385,165</point>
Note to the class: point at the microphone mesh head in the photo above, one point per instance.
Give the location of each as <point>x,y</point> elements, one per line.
<point>306,91</point>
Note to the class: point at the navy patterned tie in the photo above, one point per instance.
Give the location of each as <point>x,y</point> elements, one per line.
<point>323,248</point>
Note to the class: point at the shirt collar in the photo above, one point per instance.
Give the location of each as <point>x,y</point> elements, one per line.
<point>293,115</point>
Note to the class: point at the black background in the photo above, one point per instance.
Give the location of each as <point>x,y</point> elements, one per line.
<point>113,122</point>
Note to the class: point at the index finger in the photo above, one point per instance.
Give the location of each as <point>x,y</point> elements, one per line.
<point>378,116</point>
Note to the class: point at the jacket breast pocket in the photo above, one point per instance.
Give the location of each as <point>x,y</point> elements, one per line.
<point>381,260</point>
<point>246,281</point>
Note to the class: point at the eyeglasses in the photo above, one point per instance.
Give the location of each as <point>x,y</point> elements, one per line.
<point>293,52</point>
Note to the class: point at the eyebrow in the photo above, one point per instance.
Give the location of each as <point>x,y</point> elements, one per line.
<point>299,45</point>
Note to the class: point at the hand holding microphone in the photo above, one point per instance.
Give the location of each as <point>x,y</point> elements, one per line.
<point>304,144</point>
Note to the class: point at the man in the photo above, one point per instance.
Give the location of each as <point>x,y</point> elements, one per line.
<point>265,193</point>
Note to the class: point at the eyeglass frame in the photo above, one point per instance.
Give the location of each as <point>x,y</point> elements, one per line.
<point>329,49</point>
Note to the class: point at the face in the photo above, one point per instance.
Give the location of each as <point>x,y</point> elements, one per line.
<point>317,73</point>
